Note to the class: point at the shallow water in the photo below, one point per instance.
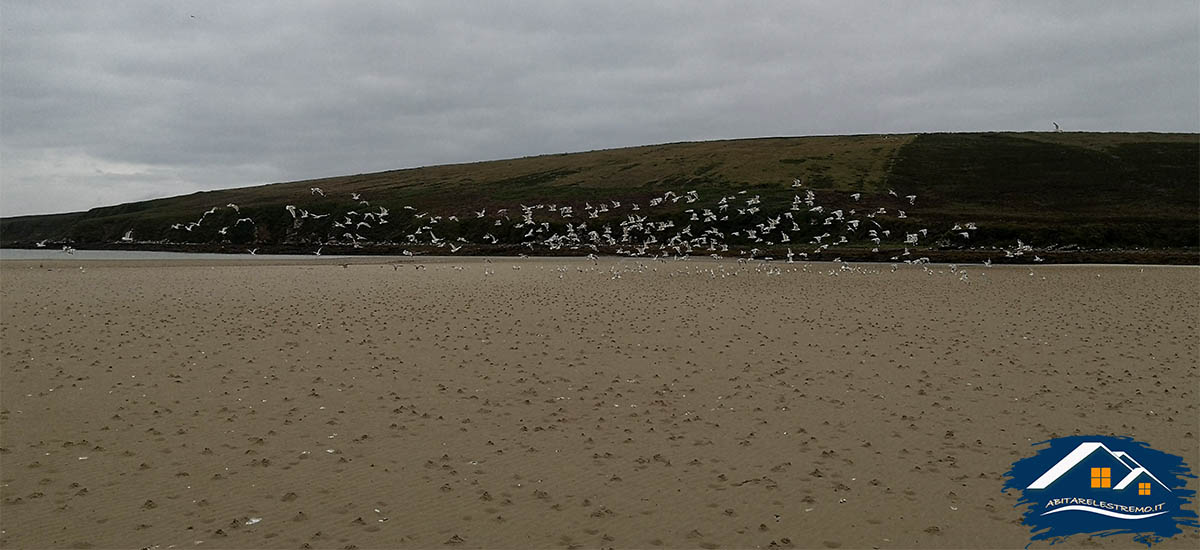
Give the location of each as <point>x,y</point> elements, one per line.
<point>58,254</point>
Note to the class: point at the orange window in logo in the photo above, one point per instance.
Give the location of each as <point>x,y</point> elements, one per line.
<point>1143,488</point>
<point>1102,478</point>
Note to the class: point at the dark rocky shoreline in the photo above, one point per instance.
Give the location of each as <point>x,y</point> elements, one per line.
<point>850,254</point>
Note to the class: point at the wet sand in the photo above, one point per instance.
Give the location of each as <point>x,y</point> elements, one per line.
<point>560,403</point>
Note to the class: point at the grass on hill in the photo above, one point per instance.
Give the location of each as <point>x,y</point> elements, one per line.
<point>1094,190</point>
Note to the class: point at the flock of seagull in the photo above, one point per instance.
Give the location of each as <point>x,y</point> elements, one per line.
<point>556,227</point>
<point>688,226</point>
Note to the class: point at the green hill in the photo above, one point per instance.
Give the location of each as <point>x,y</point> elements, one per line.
<point>1085,190</point>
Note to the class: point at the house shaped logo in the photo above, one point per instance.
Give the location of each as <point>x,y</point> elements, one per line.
<point>1103,484</point>
<point>1101,463</point>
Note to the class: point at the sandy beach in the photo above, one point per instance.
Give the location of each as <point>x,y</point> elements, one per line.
<point>566,403</point>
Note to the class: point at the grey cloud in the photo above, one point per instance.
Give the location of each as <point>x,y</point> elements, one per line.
<point>247,93</point>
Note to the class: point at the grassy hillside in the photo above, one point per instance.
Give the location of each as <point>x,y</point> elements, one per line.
<point>1091,190</point>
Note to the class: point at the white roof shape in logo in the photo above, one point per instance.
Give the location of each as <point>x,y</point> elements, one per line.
<point>1083,451</point>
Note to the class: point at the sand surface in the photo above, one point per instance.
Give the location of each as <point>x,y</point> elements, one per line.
<point>558,403</point>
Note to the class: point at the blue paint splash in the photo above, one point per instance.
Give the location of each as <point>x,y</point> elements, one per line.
<point>1167,468</point>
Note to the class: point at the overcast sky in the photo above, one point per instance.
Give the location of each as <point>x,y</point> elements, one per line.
<point>110,102</point>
